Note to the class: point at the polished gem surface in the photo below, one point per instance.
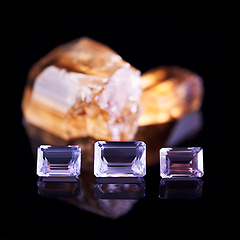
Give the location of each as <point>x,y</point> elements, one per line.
<point>119,159</point>
<point>181,162</point>
<point>62,161</point>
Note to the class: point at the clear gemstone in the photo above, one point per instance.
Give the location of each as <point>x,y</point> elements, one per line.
<point>181,162</point>
<point>120,159</point>
<point>58,161</point>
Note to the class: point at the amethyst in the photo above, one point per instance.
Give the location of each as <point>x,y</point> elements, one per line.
<point>181,162</point>
<point>120,159</point>
<point>58,161</point>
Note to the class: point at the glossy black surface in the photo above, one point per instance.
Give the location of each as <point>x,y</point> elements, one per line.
<point>146,36</point>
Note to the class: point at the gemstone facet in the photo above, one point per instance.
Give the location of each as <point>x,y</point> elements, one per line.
<point>58,161</point>
<point>120,159</point>
<point>181,162</point>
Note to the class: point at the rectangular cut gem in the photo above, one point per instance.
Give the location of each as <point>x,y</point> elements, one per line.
<point>120,159</point>
<point>58,161</point>
<point>181,162</point>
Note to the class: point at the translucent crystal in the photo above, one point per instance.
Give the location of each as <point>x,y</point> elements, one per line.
<point>119,159</point>
<point>181,162</point>
<point>58,161</point>
<point>169,93</point>
<point>81,89</point>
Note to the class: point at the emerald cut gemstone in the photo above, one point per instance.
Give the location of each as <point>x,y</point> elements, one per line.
<point>181,162</point>
<point>120,159</point>
<point>58,161</point>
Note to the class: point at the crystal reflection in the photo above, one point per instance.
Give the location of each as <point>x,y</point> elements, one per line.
<point>119,188</point>
<point>180,188</point>
<point>58,187</point>
<point>110,207</point>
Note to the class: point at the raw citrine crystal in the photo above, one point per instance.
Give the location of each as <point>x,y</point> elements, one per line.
<point>169,92</point>
<point>83,88</point>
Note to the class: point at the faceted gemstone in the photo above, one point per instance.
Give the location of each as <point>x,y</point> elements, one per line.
<point>58,161</point>
<point>181,162</point>
<point>79,90</point>
<point>169,93</point>
<point>119,159</point>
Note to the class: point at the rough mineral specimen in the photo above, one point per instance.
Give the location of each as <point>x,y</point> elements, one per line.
<point>169,92</point>
<point>81,89</point>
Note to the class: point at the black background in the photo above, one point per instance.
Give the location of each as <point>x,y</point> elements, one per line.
<point>147,36</point>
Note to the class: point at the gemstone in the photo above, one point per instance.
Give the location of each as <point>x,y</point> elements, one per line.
<point>181,162</point>
<point>58,161</point>
<point>80,89</point>
<point>119,159</point>
<point>169,92</point>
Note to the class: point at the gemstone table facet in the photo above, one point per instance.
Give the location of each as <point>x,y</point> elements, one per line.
<point>58,161</point>
<point>120,159</point>
<point>181,162</point>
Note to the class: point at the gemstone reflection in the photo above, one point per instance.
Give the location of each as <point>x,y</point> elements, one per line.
<point>119,188</point>
<point>183,188</point>
<point>57,187</point>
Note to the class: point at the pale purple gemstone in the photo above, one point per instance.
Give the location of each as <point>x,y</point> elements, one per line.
<point>58,161</point>
<point>181,162</point>
<point>120,159</point>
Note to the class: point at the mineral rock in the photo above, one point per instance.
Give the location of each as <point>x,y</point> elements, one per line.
<point>169,92</point>
<point>83,88</point>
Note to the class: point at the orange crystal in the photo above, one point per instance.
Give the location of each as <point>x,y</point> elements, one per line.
<point>83,88</point>
<point>169,92</point>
